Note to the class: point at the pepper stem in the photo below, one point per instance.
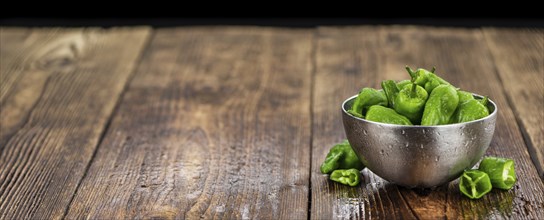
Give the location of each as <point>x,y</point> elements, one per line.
<point>411,72</point>
<point>414,89</point>
<point>434,68</point>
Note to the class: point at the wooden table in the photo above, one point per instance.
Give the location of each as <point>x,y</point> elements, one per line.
<point>233,122</point>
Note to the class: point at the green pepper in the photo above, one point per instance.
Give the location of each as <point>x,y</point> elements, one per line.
<point>464,96</point>
<point>386,115</point>
<point>470,110</point>
<point>391,91</point>
<point>440,106</point>
<point>350,177</point>
<point>500,171</point>
<point>474,184</point>
<point>366,98</point>
<point>341,156</point>
<point>403,83</point>
<point>426,79</point>
<point>410,102</point>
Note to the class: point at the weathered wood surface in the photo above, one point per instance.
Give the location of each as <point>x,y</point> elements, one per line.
<point>59,88</point>
<point>350,58</point>
<point>519,60</point>
<point>215,124</point>
<point>233,123</point>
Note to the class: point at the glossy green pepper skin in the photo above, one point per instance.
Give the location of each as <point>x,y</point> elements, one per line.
<point>464,96</point>
<point>410,102</point>
<point>351,177</point>
<point>426,79</point>
<point>341,156</point>
<point>366,98</point>
<point>386,115</point>
<point>403,83</point>
<point>391,91</point>
<point>470,110</point>
<point>500,170</point>
<point>474,184</point>
<point>440,106</point>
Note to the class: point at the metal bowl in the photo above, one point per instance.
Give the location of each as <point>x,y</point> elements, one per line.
<point>419,156</point>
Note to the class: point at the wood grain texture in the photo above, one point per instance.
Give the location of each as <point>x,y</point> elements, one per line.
<point>346,59</point>
<point>351,58</point>
<point>59,87</point>
<point>216,124</point>
<point>519,58</point>
<point>19,87</point>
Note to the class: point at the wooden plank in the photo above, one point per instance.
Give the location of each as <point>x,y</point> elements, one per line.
<point>350,58</point>
<point>519,57</point>
<point>346,59</point>
<point>216,124</point>
<point>68,84</point>
<point>17,96</point>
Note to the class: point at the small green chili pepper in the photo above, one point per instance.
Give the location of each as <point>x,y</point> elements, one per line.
<point>470,110</point>
<point>464,96</point>
<point>382,114</point>
<point>351,177</point>
<point>391,91</point>
<point>341,156</point>
<point>500,171</point>
<point>474,184</point>
<point>410,102</point>
<point>403,83</point>
<point>366,98</point>
<point>426,79</point>
<point>440,106</point>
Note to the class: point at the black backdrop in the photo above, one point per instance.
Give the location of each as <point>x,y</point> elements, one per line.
<point>280,22</point>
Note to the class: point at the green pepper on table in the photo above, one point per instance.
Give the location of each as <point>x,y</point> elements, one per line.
<point>341,156</point>
<point>351,177</point>
<point>500,170</point>
<point>474,184</point>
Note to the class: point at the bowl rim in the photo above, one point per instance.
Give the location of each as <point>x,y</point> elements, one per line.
<point>491,115</point>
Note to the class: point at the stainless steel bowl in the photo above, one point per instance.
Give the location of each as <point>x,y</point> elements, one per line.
<point>419,156</point>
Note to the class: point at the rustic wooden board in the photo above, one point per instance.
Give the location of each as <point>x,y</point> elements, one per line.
<point>59,88</point>
<point>19,89</point>
<point>216,124</point>
<point>350,58</point>
<point>519,58</point>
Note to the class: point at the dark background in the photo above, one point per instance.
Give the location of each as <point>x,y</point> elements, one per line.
<point>268,21</point>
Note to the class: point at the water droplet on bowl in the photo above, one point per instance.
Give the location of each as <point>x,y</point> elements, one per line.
<point>364,132</point>
<point>382,151</point>
<point>403,132</point>
<point>436,159</point>
<point>421,146</point>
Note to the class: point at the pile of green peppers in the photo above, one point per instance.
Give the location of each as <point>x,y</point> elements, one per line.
<point>343,165</point>
<point>494,172</point>
<point>426,100</point>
